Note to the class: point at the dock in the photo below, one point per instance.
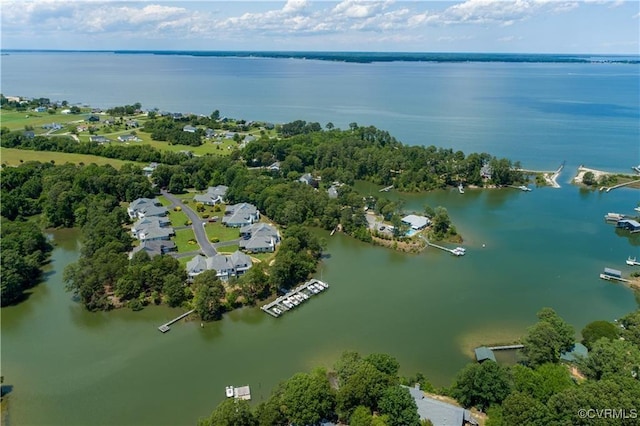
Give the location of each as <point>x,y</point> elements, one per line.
<point>612,275</point>
<point>165,327</point>
<point>242,392</point>
<point>631,261</point>
<point>504,348</point>
<point>458,251</point>
<point>620,185</point>
<point>295,297</point>
<point>387,189</point>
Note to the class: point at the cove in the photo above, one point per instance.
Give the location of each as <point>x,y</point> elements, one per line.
<point>543,248</point>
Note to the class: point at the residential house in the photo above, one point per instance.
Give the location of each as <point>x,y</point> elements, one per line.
<point>128,138</point>
<point>416,222</point>
<point>241,214</point>
<point>146,207</point>
<point>249,138</point>
<point>213,196</point>
<point>133,124</point>
<point>176,115</point>
<point>65,111</point>
<point>439,412</point>
<point>40,109</point>
<point>152,228</point>
<point>154,248</point>
<point>629,225</point>
<point>148,170</point>
<point>226,266</point>
<point>99,139</point>
<point>259,238</point>
<point>52,126</point>
<point>306,178</point>
<point>275,167</point>
<point>485,171</point>
<point>229,135</point>
<point>189,128</point>
<point>209,133</point>
<point>93,118</point>
<point>332,191</point>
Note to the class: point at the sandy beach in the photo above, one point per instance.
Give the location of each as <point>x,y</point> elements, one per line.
<point>582,170</point>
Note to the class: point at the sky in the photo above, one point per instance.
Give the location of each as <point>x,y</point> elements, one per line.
<point>516,26</point>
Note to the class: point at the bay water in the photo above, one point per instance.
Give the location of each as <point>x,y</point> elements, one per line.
<point>429,310</point>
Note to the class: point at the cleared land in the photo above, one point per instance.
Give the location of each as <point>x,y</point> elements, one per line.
<point>182,238</point>
<point>13,157</point>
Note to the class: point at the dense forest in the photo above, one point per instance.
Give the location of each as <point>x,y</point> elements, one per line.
<point>540,390</point>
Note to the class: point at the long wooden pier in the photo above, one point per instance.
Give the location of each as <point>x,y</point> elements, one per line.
<point>458,251</point>
<point>387,189</point>
<point>506,347</point>
<point>165,327</point>
<point>620,185</point>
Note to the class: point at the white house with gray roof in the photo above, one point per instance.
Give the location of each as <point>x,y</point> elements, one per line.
<point>242,214</point>
<point>213,196</point>
<point>226,266</point>
<point>146,207</point>
<point>152,228</point>
<point>259,238</point>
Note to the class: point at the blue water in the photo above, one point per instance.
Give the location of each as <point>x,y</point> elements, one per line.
<point>538,113</point>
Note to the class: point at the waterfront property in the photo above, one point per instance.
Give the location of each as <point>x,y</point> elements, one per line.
<point>577,352</point>
<point>152,228</point>
<point>226,266</point>
<point>439,412</point>
<point>165,327</point>
<point>416,222</point>
<point>242,392</point>
<point>214,195</point>
<point>629,225</point>
<point>483,354</point>
<point>259,238</point>
<point>154,248</point>
<point>241,214</point>
<point>293,298</point>
<point>146,207</point>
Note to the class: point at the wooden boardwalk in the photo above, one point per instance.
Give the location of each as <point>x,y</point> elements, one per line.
<point>165,327</point>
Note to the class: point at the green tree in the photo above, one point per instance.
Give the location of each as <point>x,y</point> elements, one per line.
<point>596,330</point>
<point>364,387</point>
<point>481,385</point>
<point>308,398</point>
<point>548,338</point>
<point>522,409</point>
<point>611,357</point>
<point>543,382</point>
<point>231,412</point>
<point>361,417</point>
<point>631,327</point>
<point>174,291</point>
<point>208,292</point>
<point>384,363</point>
<point>399,405</point>
<point>588,178</point>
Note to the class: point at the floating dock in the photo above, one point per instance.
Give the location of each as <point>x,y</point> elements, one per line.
<point>243,392</point>
<point>612,275</point>
<point>295,297</point>
<point>631,261</point>
<point>165,327</point>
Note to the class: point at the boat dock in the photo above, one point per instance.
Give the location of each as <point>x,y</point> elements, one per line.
<point>165,327</point>
<point>243,392</point>
<point>612,275</point>
<point>620,185</point>
<point>458,251</point>
<point>387,189</point>
<point>295,297</point>
<point>631,261</point>
<point>507,347</point>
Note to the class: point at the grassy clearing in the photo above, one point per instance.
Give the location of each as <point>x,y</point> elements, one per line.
<point>228,249</point>
<point>264,257</point>
<point>163,200</point>
<point>222,233</point>
<point>16,120</point>
<point>13,157</point>
<point>182,238</point>
<point>178,218</point>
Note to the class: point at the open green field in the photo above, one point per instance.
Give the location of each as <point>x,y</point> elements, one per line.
<point>13,157</point>
<point>182,238</point>
<point>178,218</point>
<point>17,120</point>
<point>228,249</point>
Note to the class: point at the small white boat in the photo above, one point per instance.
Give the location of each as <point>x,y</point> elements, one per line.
<point>524,188</point>
<point>228,391</point>
<point>461,189</point>
<point>632,261</point>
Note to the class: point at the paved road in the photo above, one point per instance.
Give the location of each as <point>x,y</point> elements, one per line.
<point>198,225</point>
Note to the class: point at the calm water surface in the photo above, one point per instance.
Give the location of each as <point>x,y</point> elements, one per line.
<point>543,248</point>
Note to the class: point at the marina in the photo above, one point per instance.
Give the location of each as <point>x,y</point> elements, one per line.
<point>295,297</point>
<point>165,327</point>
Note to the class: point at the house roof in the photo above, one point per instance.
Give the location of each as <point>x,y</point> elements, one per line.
<point>483,353</point>
<point>416,222</point>
<point>578,350</point>
<point>196,265</point>
<point>439,412</point>
<point>154,248</point>
<point>240,213</point>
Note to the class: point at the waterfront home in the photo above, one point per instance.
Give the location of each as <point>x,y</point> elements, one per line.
<point>99,139</point>
<point>146,207</point>
<point>577,352</point>
<point>40,109</point>
<point>259,238</point>
<point>154,248</point>
<point>213,196</point>
<point>439,412</point>
<point>241,214</point>
<point>629,225</point>
<point>93,118</point>
<point>189,129</point>
<point>226,266</point>
<point>416,222</point>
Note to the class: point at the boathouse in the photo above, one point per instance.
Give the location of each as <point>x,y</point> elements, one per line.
<point>629,225</point>
<point>483,354</point>
<point>613,273</point>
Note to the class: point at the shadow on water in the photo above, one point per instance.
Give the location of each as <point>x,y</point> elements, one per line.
<point>633,238</point>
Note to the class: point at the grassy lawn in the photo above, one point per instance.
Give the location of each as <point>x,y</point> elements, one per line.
<point>182,240</point>
<point>16,120</point>
<point>221,232</point>
<point>183,260</point>
<point>12,157</point>
<point>264,257</point>
<point>163,200</point>
<point>228,249</point>
<point>177,218</point>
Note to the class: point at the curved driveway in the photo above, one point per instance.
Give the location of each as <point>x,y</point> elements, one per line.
<point>198,225</point>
